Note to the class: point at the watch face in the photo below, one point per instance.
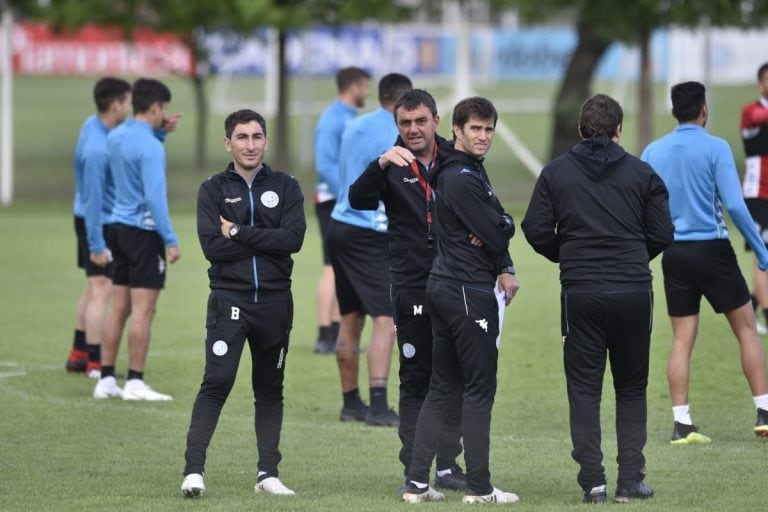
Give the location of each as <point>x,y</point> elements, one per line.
<point>233,231</point>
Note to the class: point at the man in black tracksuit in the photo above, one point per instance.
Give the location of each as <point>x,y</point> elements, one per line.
<point>473,234</point>
<point>250,219</point>
<point>603,214</point>
<point>399,179</point>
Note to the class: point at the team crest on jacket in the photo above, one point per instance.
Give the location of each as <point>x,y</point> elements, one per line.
<point>408,350</point>
<point>270,199</point>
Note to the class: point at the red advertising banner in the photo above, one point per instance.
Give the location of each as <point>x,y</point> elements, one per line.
<point>94,50</point>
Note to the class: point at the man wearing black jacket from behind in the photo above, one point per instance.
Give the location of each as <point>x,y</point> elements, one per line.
<point>603,215</point>
<point>473,234</point>
<point>399,179</point>
<point>250,219</point>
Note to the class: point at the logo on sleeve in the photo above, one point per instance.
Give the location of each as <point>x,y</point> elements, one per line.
<point>408,350</point>
<point>270,199</point>
<point>483,323</point>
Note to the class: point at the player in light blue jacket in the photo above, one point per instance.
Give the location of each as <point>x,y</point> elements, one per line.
<point>700,174</point>
<point>142,238</point>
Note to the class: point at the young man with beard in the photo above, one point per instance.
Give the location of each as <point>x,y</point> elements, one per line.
<point>250,220</point>
<point>353,85</point>
<point>399,178</point>
<point>473,235</point>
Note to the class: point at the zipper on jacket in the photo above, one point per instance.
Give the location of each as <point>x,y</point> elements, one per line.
<point>255,271</point>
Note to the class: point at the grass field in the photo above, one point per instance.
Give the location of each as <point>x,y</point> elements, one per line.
<point>62,450</point>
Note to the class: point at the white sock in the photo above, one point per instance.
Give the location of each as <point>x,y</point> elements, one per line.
<point>682,414</point>
<point>420,485</point>
<point>761,402</point>
<point>442,472</point>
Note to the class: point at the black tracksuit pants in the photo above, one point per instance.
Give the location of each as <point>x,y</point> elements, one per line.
<point>465,323</point>
<point>617,327</point>
<point>266,326</point>
<point>414,341</point>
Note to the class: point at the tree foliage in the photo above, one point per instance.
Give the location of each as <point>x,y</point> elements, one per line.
<point>600,22</point>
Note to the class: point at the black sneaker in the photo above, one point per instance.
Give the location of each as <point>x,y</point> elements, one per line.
<point>456,480</point>
<point>638,491</point>
<point>688,434</point>
<point>353,413</point>
<point>761,425</point>
<point>383,419</point>
<point>597,494</point>
<point>325,347</point>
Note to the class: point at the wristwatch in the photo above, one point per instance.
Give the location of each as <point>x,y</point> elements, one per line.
<point>507,270</point>
<point>234,230</point>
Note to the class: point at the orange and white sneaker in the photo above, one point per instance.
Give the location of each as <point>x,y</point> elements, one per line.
<point>77,361</point>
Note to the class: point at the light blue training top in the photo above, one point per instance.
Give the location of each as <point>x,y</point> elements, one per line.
<point>700,174</point>
<point>328,132</point>
<point>94,190</point>
<point>365,138</point>
<point>137,162</point>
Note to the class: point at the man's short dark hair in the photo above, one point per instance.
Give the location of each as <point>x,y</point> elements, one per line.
<point>688,98</point>
<point>475,106</point>
<point>600,116</point>
<point>761,71</point>
<point>148,91</point>
<point>346,77</point>
<point>411,100</point>
<point>244,116</point>
<point>392,86</point>
<point>108,90</point>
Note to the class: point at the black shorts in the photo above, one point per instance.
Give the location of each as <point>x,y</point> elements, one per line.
<point>758,209</point>
<point>708,268</point>
<point>360,259</point>
<point>323,212</point>
<point>84,254</point>
<point>139,257</point>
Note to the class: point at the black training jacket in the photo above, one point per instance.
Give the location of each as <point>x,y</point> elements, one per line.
<point>603,214</point>
<point>257,265</point>
<point>466,204</point>
<point>405,199</point>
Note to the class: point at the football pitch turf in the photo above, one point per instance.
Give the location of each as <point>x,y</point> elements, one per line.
<point>62,450</point>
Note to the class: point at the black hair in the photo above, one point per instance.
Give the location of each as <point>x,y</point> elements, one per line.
<point>761,71</point>
<point>688,98</point>
<point>244,116</point>
<point>108,90</point>
<point>411,100</point>
<point>600,116</point>
<point>146,92</point>
<point>476,106</point>
<point>392,86</point>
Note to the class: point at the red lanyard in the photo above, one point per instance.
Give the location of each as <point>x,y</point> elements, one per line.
<point>425,184</point>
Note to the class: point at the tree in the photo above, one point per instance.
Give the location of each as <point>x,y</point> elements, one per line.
<point>187,18</point>
<point>601,22</point>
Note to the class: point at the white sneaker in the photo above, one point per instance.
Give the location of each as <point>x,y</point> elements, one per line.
<point>193,485</point>
<point>272,485</point>
<point>429,494</point>
<point>107,388</point>
<point>137,389</point>
<point>497,496</point>
<point>761,328</point>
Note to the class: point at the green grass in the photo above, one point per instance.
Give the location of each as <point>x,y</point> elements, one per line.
<point>62,450</point>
